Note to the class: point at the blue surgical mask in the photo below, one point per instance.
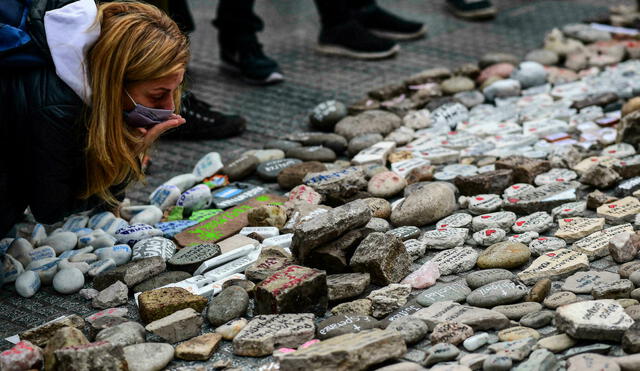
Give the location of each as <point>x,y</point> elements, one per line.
<point>142,116</point>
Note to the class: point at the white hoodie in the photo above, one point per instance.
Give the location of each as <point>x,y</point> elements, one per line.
<point>71,31</point>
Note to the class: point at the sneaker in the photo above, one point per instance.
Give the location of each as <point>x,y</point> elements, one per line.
<point>472,9</point>
<point>202,122</point>
<point>353,40</point>
<point>384,24</point>
<point>244,56</point>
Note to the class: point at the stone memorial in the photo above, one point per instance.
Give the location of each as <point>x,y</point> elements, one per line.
<point>554,265</point>
<point>264,333</point>
<point>594,320</point>
<point>573,229</point>
<point>596,245</point>
<point>620,211</point>
<point>225,224</point>
<point>293,289</point>
<point>347,352</point>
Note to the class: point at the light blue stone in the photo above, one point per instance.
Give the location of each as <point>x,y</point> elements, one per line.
<point>28,283</point>
<point>120,254</point>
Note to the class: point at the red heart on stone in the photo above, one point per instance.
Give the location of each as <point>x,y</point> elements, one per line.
<point>566,210</point>
<point>559,180</point>
<point>520,223</point>
<point>444,225</point>
<point>480,198</point>
<point>445,142</point>
<point>612,151</point>
<point>551,254</point>
<point>532,129</point>
<point>568,220</point>
<point>612,206</point>
<point>513,200</point>
<point>594,159</point>
<point>515,187</point>
<point>542,238</point>
<point>442,229</point>
<point>516,235</point>
<point>486,216</point>
<point>489,232</point>
<point>623,163</point>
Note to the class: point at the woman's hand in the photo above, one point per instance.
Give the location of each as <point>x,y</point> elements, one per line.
<point>149,135</point>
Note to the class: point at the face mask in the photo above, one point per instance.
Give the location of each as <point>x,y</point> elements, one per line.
<point>142,116</point>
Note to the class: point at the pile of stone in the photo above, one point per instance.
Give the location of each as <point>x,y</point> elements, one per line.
<point>485,220</point>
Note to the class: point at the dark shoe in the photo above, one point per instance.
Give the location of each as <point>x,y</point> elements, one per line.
<point>472,9</point>
<point>353,40</point>
<point>244,56</point>
<point>202,122</point>
<point>384,24</point>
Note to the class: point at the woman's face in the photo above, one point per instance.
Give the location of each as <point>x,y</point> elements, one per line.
<point>156,93</point>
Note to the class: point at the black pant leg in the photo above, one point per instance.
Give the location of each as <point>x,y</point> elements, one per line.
<point>236,19</point>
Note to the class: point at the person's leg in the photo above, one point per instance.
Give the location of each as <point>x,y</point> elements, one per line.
<point>240,50</point>
<point>472,9</point>
<point>341,34</point>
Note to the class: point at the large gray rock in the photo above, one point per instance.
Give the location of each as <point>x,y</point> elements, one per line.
<point>264,333</point>
<point>373,121</point>
<point>148,356</point>
<point>328,226</point>
<point>425,206</point>
<point>383,256</point>
<point>347,352</point>
<point>131,273</point>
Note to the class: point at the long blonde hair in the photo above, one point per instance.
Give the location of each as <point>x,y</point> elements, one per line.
<point>138,42</point>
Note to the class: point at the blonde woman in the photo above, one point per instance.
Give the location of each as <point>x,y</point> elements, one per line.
<point>100,84</point>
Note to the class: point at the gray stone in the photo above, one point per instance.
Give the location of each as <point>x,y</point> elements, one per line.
<point>389,298</point>
<point>241,167</point>
<point>124,334</point>
<point>347,352</point>
<point>345,324</point>
<point>266,332</point>
<point>477,318</point>
<point>410,328</point>
<point>517,350</point>
<point>519,310</point>
<point>456,260</point>
<point>131,273</point>
<point>231,303</point>
<point>112,296</point>
<point>383,256</point>
<point>160,280</point>
<point>314,153</point>
<point>372,121</point>
<point>485,276</point>
<point>425,206</point>
<point>154,246</point>
<point>148,356</point>
<point>497,293</point>
<point>441,352</point>
<point>455,291</point>
<point>269,170</point>
<point>497,362</point>
<point>347,285</point>
<point>537,319</point>
<point>328,226</point>
<point>181,325</point>
<point>613,290</point>
<point>93,356</point>
<point>593,319</point>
